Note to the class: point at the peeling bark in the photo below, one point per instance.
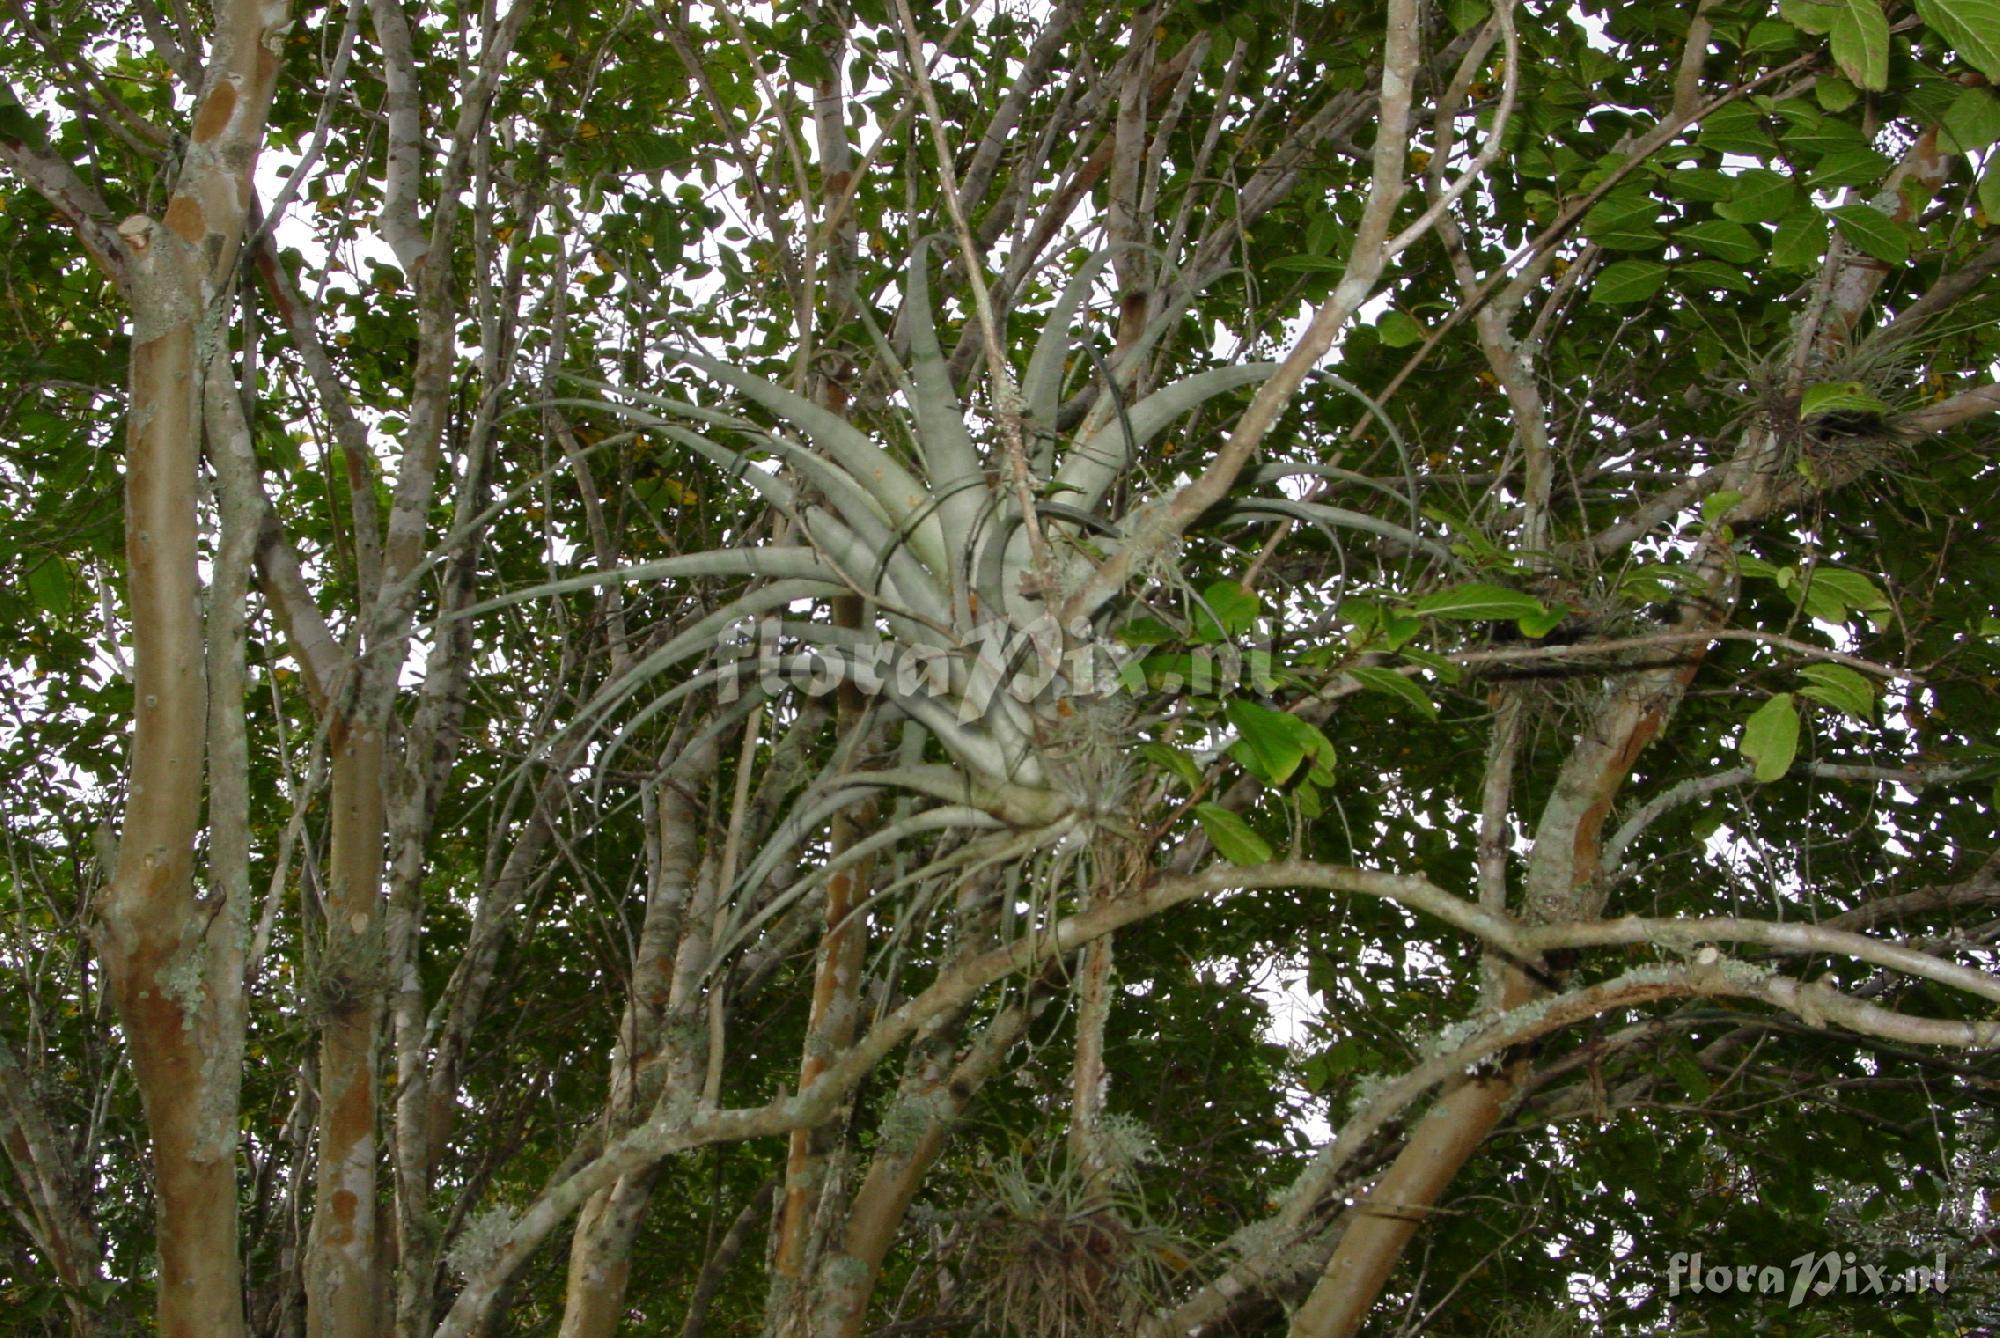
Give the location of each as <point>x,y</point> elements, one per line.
<point>172,955</point>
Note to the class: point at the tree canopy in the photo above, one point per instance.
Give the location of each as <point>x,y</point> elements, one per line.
<point>1001,669</point>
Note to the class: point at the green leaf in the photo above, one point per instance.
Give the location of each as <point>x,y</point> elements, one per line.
<point>1761,196</point>
<point>1723,239</point>
<point>1319,748</point>
<point>1267,746</point>
<point>1703,185</point>
<point>1860,42</point>
<point>1769,35</point>
<point>1771,737</point>
<point>1713,275</point>
<point>1719,504</point>
<point>1971,26</point>
<point>1135,675</point>
<point>1232,837</point>
<point>1840,687</point>
<point>1323,234</point>
<point>1298,733</point>
<point>1800,242</point>
<point>1398,329</point>
<point>1626,221</point>
<point>1972,121</point>
<point>1820,601</point>
<point>1309,264</point>
<point>1226,610</point>
<point>1398,626</point>
<point>1847,165</point>
<point>1834,93</point>
<point>1465,15</point>
<point>1446,671</point>
<point>1870,230</point>
<point>1737,127</point>
<point>1173,761</point>
<point>1479,601</point>
<point>1989,188</point>
<point>1482,549</point>
<point>1755,567</point>
<point>1809,16</point>
<point>1535,626</point>
<point>1838,397</point>
<point>1392,684</point>
<point>1628,281</point>
<point>49,586</point>
<point>1146,631</point>
<point>1372,622</point>
<point>1809,130</point>
<point>1830,593</point>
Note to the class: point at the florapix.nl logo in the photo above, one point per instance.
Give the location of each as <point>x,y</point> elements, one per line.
<point>1027,663</point>
<point>1804,1278</point>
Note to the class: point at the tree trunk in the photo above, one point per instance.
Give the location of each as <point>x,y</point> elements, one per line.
<point>926,1108</point>
<point>671,953</point>
<point>172,958</point>
<point>340,1255</point>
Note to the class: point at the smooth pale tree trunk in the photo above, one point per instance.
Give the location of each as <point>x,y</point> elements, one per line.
<point>172,956</point>
<point>835,1007</point>
<point>831,1025</point>
<point>935,1097</point>
<point>1562,885</point>
<point>154,940</point>
<point>601,1255</point>
<point>663,975</point>
<point>340,1256</point>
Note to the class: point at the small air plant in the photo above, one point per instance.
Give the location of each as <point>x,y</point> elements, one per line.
<point>1061,1251</point>
<point>1833,413</point>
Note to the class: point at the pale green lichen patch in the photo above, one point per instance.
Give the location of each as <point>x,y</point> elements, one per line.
<point>480,1243</point>
<point>182,981</point>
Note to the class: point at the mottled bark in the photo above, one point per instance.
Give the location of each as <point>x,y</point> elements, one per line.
<point>600,1249</point>
<point>830,1030</point>
<point>172,955</point>
<point>927,1106</point>
<point>340,1256</point>
<point>1090,1081</point>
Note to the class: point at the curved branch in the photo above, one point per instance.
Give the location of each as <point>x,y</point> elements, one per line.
<point>1700,787</point>
<point>676,1132</point>
<point>1784,937</point>
<point>75,201</point>
<point>1169,517</point>
<point>1812,1003</point>
<point>1983,888</point>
